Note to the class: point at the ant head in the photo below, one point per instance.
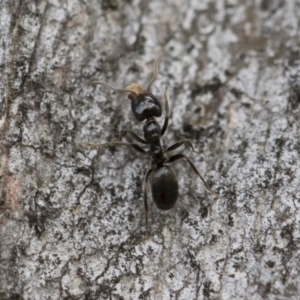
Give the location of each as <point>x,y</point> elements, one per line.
<point>143,103</point>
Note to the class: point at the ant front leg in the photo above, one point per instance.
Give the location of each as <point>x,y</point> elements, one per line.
<point>145,200</point>
<point>134,146</point>
<point>166,122</point>
<point>124,133</point>
<point>182,156</point>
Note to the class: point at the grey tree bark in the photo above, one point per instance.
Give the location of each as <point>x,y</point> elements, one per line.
<point>72,217</point>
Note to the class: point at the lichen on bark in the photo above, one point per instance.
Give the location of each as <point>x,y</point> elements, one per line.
<point>72,217</point>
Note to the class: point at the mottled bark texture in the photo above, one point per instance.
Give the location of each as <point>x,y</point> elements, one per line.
<point>72,217</point>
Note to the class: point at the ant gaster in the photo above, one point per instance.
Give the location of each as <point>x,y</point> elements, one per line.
<point>145,106</point>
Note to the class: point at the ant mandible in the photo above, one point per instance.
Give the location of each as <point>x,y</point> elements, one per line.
<point>145,106</point>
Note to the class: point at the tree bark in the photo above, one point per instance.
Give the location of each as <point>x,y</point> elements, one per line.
<point>72,216</point>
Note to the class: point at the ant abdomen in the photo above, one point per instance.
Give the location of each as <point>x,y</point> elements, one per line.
<point>164,187</point>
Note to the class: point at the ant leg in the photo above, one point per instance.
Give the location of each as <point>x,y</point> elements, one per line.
<point>145,200</point>
<point>133,135</point>
<point>180,143</point>
<point>155,71</point>
<point>134,146</point>
<point>180,156</point>
<point>166,122</point>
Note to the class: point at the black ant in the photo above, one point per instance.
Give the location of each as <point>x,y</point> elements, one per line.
<point>163,179</point>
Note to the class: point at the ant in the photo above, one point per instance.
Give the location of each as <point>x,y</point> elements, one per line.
<point>145,106</point>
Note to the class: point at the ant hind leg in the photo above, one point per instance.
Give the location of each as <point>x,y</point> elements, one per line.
<point>182,156</point>
<point>145,200</point>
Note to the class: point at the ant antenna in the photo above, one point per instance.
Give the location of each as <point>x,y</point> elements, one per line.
<point>155,71</point>
<point>111,87</point>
